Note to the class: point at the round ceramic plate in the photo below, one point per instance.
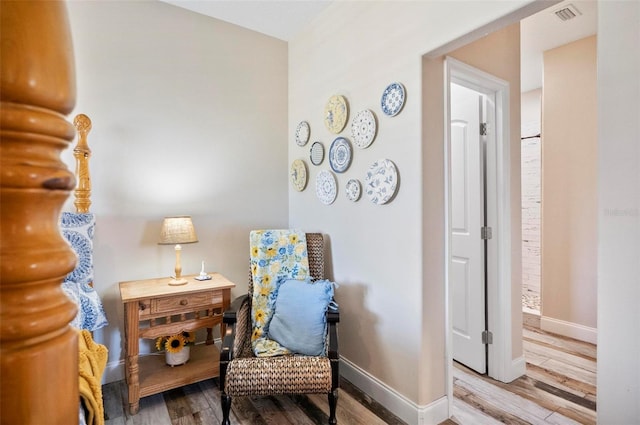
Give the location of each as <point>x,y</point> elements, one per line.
<point>302,133</point>
<point>316,154</point>
<point>298,175</point>
<point>381,182</point>
<point>363,128</point>
<point>326,187</point>
<point>336,113</point>
<point>353,189</point>
<point>392,99</point>
<point>340,155</point>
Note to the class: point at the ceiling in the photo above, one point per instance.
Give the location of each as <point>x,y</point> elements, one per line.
<point>285,19</point>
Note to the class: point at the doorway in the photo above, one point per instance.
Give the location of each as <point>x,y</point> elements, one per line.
<point>494,316</point>
<point>468,134</point>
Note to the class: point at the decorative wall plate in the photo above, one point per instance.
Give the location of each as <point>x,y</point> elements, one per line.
<point>353,190</point>
<point>381,181</point>
<point>302,133</point>
<point>336,113</point>
<point>298,175</point>
<point>316,154</point>
<point>340,155</point>
<point>326,187</point>
<point>393,99</point>
<point>363,128</point>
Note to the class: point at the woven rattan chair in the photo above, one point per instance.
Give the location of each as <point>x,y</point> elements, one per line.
<point>244,374</point>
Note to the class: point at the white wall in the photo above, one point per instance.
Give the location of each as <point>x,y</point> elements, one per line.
<point>530,172</point>
<point>618,213</point>
<point>189,117</point>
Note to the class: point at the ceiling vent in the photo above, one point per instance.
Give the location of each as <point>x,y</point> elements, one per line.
<point>567,12</point>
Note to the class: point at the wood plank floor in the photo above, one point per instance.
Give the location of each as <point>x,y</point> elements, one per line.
<point>559,388</point>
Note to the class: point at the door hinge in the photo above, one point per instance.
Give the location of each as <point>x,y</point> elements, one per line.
<point>483,128</point>
<point>485,232</point>
<point>487,337</point>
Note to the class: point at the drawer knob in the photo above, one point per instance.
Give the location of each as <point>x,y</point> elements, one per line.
<point>142,306</point>
<point>184,302</point>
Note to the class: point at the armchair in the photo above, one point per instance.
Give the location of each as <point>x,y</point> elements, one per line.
<point>242,373</point>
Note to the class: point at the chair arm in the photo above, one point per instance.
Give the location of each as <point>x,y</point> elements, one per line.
<point>333,317</point>
<point>229,318</point>
<point>229,315</point>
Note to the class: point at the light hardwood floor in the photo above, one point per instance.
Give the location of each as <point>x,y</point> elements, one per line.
<point>559,388</point>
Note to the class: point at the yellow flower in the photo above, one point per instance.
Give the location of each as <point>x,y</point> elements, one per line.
<point>160,343</point>
<point>293,239</point>
<point>266,280</point>
<point>254,251</point>
<point>271,252</point>
<point>257,333</point>
<point>188,337</point>
<point>265,291</point>
<point>174,343</point>
<point>260,316</point>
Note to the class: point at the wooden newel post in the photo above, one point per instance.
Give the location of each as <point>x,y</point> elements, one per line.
<point>38,348</point>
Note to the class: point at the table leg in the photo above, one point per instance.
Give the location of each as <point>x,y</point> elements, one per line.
<point>131,363</point>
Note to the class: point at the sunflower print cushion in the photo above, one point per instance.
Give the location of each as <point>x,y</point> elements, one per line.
<point>276,255</point>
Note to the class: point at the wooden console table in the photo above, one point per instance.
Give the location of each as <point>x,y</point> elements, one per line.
<point>153,308</point>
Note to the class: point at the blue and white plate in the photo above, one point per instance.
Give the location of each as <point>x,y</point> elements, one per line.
<point>302,133</point>
<point>353,190</point>
<point>326,187</point>
<point>381,181</point>
<point>392,99</point>
<point>316,153</point>
<point>363,128</point>
<point>340,155</point>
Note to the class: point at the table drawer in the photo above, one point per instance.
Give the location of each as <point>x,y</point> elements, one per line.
<point>184,302</point>
<point>144,308</point>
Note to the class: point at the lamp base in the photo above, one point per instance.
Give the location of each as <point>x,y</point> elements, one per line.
<point>177,282</point>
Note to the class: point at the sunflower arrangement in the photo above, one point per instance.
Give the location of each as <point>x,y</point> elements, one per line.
<point>174,343</point>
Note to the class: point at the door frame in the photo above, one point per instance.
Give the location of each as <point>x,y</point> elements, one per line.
<point>498,206</point>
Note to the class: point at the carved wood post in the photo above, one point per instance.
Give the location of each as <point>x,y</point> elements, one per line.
<point>82,153</point>
<point>38,348</point>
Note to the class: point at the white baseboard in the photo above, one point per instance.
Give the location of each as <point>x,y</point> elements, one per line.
<point>113,372</point>
<point>405,409</point>
<point>517,369</point>
<point>572,330</point>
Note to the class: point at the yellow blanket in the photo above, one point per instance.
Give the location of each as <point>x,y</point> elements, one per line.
<point>92,361</point>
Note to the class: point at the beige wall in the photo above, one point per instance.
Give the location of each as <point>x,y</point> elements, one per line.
<point>189,117</point>
<point>569,187</point>
<point>388,259</point>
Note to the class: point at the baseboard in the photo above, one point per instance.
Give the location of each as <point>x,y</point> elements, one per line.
<point>114,371</point>
<point>572,330</point>
<point>405,409</point>
<point>531,317</point>
<point>517,369</point>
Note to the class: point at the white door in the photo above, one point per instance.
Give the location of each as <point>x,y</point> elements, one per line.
<point>467,267</point>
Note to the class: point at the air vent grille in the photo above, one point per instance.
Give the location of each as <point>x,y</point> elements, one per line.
<point>567,12</point>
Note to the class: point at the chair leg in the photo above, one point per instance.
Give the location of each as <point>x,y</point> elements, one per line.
<point>333,401</point>
<point>225,401</point>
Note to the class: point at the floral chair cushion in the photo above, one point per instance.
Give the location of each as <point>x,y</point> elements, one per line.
<point>275,255</point>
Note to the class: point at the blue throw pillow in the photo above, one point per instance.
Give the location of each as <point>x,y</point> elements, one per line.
<point>299,321</point>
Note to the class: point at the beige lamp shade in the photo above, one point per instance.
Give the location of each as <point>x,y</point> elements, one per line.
<point>177,230</point>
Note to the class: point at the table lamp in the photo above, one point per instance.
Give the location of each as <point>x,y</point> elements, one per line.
<point>177,230</point>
